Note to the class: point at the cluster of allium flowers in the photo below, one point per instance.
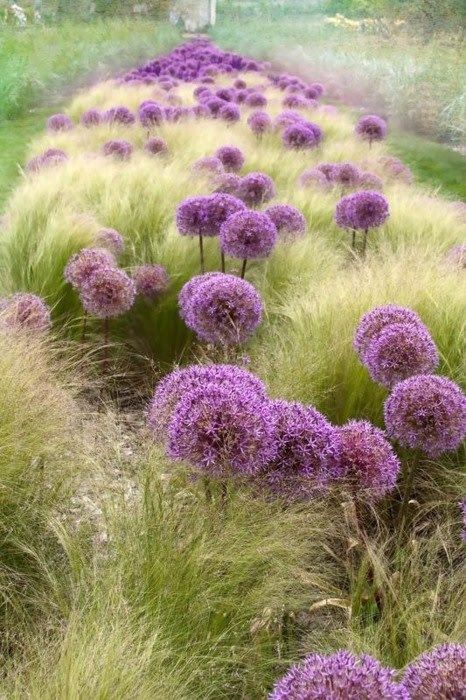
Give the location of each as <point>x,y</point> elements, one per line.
<point>259,123</point>
<point>439,674</point>
<point>151,280</point>
<point>427,413</point>
<point>229,113</point>
<point>370,181</point>
<point>400,350</point>
<point>52,156</point>
<point>205,215</point>
<point>340,676</point>
<point>248,235</point>
<point>288,118</point>
<point>112,240</point>
<point>156,146</point>
<point>222,431</point>
<point>210,165</point>
<point>375,320</point>
<point>59,122</point>
<point>396,169</point>
<point>119,148</point>
<point>119,115</point>
<point>255,189</point>
<point>224,310</point>
<point>302,135</point>
<point>83,264</point>
<point>181,381</point>
<point>371,128</point>
<point>362,210</point>
<point>150,114</point>
<point>108,292</point>
<point>308,451</point>
<point>295,101</point>
<point>289,221</point>
<point>368,465</point>
<point>231,157</point>
<point>256,99</point>
<point>25,311</point>
<point>457,255</point>
<point>91,117</point>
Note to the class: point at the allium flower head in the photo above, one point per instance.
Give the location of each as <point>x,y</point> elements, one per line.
<point>428,413</point>
<point>59,122</point>
<point>156,146</point>
<point>222,431</point>
<point>340,676</point>
<point>228,183</point>
<point>112,240</point>
<point>214,105</point>
<point>295,101</point>
<point>189,290</point>
<point>150,114</point>
<point>182,381</point>
<point>368,464</point>
<point>256,188</point>
<point>232,158</point>
<point>108,292</point>
<point>313,176</point>
<point>375,320</point>
<point>371,128</point>
<point>210,165</point>
<point>83,264</point>
<point>362,210</point>
<point>259,123</point>
<point>151,280</point>
<point>370,181</point>
<point>118,148</point>
<point>240,84</point>
<point>256,99</point>
<point>345,174</point>
<point>439,674</point>
<point>92,117</point>
<point>289,221</point>
<point>224,310</point>
<point>302,135</point>
<point>248,235</point>
<point>229,113</point>
<point>288,118</point>
<point>205,215</point>
<point>318,88</point>
<point>396,169</point>
<point>400,350</point>
<point>25,311</point>
<point>119,115</point>
<point>50,157</point>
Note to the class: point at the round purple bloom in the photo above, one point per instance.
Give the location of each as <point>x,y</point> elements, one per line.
<point>59,122</point>
<point>428,413</point>
<point>248,235</point>
<point>375,320</point>
<point>288,118</point>
<point>228,183</point>
<point>83,264</point>
<point>289,221</point>
<point>438,674</point>
<point>295,101</point>
<point>313,176</point>
<point>225,94</point>
<point>156,146</point>
<point>318,88</point>
<point>50,157</point>
<point>92,117</point>
<point>232,158</point>
<point>205,215</point>
<point>200,90</point>
<point>311,93</point>
<point>240,84</point>
<point>209,164</point>
<point>302,135</point>
<point>189,290</point>
<point>396,169</point>
<point>25,311</point>
<point>256,188</point>
<point>224,310</point>
<point>371,128</point>
<point>222,431</point>
<point>118,148</point>
<point>229,113</point>
<point>362,210</point>
<point>259,123</point>
<point>340,676</point>
<point>200,111</point>
<point>398,351</point>
<point>119,115</point>
<point>181,381</point>
<point>151,280</point>
<point>255,99</point>
<point>370,181</point>
<point>112,240</point>
<point>150,114</point>
<point>345,174</point>
<point>108,292</point>
<point>368,462</point>
<point>214,105</point>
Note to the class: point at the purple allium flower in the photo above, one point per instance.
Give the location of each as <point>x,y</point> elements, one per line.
<point>428,413</point>
<point>92,117</point>
<point>313,176</point>
<point>232,158</point>
<point>370,181</point>
<point>151,280</point>
<point>371,128</point>
<point>50,157</point>
<point>345,174</point>
<point>112,240</point>
<point>396,169</point>
<point>308,450</point>
<point>311,93</point>
<point>228,183</point>
<point>108,292</point>
<point>240,84</point>
<point>205,215</point>
<point>375,320</point>
<point>256,188</point>
<point>255,99</point>
<point>119,115</point>
<point>118,148</point>
<point>83,264</point>
<point>200,90</point>
<point>200,111</point>
<point>457,255</point>
<point>368,462</point>
<point>224,310</point>
<point>259,123</point>
<point>59,122</point>
<point>288,118</point>
<point>248,235</point>
<point>229,113</point>
<point>398,351</point>
<point>189,290</point>
<point>214,105</point>
<point>438,674</point>
<point>156,146</point>
<point>222,431</point>
<point>150,114</point>
<point>362,210</point>
<point>181,381</point>
<point>209,164</point>
<point>295,101</point>
<point>302,135</point>
<point>25,311</point>
<point>225,94</point>
<point>289,221</point>
<point>340,676</point>
<point>318,88</point>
